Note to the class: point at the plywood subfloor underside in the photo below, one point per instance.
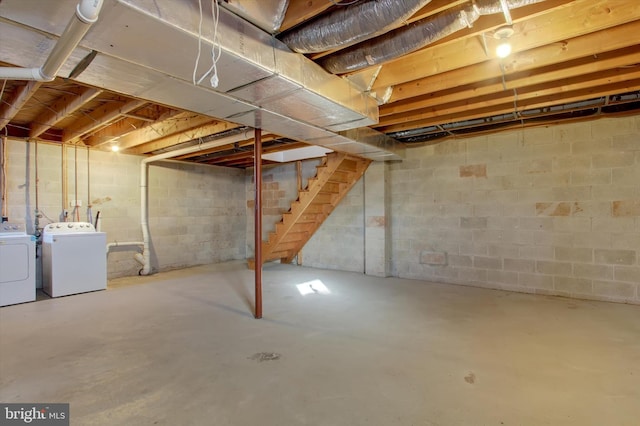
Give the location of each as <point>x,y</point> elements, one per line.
<point>183,348</point>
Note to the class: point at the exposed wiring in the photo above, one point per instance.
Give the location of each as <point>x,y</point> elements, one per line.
<point>216,50</point>
<point>75,184</point>
<point>3,162</point>
<point>41,213</point>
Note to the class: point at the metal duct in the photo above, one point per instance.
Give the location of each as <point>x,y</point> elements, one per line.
<point>351,24</point>
<point>414,36</point>
<point>266,14</point>
<point>147,49</point>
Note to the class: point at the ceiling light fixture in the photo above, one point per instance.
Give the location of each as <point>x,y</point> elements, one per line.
<point>503,34</point>
<point>115,148</point>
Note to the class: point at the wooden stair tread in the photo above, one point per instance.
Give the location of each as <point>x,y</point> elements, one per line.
<point>334,179</point>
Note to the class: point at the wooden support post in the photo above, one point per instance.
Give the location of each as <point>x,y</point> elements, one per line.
<point>257,178</point>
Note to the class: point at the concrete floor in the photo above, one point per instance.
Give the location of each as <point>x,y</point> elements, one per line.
<point>182,348</point>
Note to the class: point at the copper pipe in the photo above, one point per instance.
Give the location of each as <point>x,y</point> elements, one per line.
<point>257,178</point>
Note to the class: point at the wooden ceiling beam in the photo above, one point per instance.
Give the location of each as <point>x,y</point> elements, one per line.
<point>15,104</point>
<point>197,132</point>
<point>593,44</point>
<point>242,144</point>
<point>588,67</point>
<point>98,118</point>
<point>508,106</point>
<point>299,11</point>
<point>134,131</point>
<point>496,98</point>
<point>62,108</point>
<point>565,22</point>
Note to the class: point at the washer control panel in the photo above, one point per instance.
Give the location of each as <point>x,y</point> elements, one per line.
<point>8,228</point>
<point>69,228</point>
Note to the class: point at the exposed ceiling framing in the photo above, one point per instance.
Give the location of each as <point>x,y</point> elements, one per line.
<point>571,60</point>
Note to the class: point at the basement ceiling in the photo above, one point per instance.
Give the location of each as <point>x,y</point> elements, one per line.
<point>571,60</point>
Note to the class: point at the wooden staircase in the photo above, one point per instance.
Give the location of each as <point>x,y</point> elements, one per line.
<point>334,178</point>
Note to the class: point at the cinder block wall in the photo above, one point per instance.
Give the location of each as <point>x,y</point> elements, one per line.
<point>339,243</point>
<point>548,210</point>
<point>196,213</point>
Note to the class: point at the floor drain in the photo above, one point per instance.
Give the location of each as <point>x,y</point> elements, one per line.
<point>265,356</point>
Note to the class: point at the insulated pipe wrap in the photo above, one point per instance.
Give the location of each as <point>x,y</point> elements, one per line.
<point>351,24</point>
<point>414,36</point>
<point>400,41</point>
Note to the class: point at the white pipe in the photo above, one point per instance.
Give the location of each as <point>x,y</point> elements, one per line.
<point>144,189</point>
<point>86,14</point>
<point>124,244</point>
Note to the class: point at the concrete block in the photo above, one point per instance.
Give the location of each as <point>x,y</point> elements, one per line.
<point>626,208</point>
<point>484,262</point>
<point>553,268</point>
<point>574,254</point>
<point>537,252</point>
<point>486,210</point>
<point>571,133</point>
<point>625,176</point>
<point>626,142</point>
<point>475,170</point>
<point>571,193</point>
<point>591,177</point>
<point>615,192</point>
<point>517,209</point>
<point>624,240</point>
<point>572,224</point>
<point>458,260</point>
<point>540,165</point>
<point>591,271</point>
<point>535,194</point>
<point>517,181</point>
<point>536,223</point>
<point>472,248</point>
<point>552,179</point>
<point>613,224</point>
<point>519,265</point>
<point>472,276</point>
<point>433,258</point>
<point>510,279</point>
<point>503,168</point>
<point>473,222</point>
<point>535,281</point>
<point>598,144</point>
<point>572,286</point>
<point>554,209</point>
<point>611,127</point>
<point>572,162</point>
<point>627,273</point>
<point>615,257</point>
<point>615,290</point>
<point>613,159</point>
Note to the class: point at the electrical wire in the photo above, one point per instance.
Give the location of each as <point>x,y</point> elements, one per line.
<point>3,162</point>
<point>75,184</point>
<point>216,50</point>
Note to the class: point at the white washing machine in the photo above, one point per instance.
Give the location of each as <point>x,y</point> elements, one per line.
<point>17,265</point>
<point>74,258</point>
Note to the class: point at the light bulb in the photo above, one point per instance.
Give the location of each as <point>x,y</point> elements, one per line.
<point>503,50</point>
<point>115,148</point>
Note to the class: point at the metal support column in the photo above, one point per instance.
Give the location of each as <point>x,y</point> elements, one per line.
<point>257,178</point>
